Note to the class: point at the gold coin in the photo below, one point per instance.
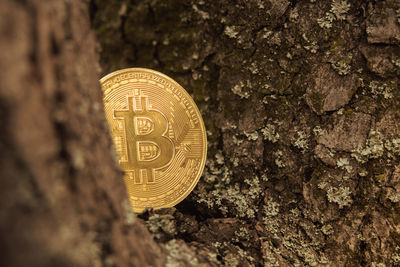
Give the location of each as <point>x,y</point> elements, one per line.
<point>158,133</point>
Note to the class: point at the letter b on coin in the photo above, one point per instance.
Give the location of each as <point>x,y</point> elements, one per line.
<point>148,148</point>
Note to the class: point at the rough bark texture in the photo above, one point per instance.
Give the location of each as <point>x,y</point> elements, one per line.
<point>62,199</point>
<point>301,103</point>
<point>300,100</point>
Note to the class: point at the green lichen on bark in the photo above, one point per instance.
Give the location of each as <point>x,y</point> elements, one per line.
<point>300,76</point>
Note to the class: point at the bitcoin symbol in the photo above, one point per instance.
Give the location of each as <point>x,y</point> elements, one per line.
<point>148,148</point>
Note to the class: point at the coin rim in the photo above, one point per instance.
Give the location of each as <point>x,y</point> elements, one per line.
<point>202,126</point>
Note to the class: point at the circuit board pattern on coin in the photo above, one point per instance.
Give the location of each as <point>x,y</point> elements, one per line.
<point>158,134</point>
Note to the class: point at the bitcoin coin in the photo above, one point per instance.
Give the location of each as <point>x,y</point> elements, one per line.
<point>158,133</point>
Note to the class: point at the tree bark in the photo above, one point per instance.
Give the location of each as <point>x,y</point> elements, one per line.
<point>62,199</point>
<point>301,105</point>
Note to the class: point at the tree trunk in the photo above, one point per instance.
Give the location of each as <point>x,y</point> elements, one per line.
<point>301,105</point>
<point>62,198</point>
